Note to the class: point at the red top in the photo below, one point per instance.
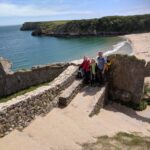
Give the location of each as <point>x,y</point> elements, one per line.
<point>85,65</point>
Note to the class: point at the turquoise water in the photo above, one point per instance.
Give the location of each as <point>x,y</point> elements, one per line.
<point>25,51</point>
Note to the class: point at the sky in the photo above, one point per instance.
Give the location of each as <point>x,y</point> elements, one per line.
<point>13,12</point>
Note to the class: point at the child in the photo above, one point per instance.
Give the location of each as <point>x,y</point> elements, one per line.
<point>107,70</point>
<point>93,71</point>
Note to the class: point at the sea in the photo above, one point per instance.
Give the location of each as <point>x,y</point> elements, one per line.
<point>25,51</point>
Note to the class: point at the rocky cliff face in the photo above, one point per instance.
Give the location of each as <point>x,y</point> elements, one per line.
<point>127,79</point>
<point>111,25</point>
<point>27,26</point>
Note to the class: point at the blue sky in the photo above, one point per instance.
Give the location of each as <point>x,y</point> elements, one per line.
<point>19,11</point>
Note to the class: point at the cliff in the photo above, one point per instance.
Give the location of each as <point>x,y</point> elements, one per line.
<point>30,26</point>
<point>111,25</point>
<point>46,25</point>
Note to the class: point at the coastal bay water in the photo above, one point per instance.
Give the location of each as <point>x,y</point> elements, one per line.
<point>25,51</point>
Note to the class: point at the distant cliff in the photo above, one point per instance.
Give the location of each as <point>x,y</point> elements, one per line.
<point>111,25</point>
<point>30,26</point>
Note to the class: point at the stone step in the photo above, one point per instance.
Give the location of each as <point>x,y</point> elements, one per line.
<point>99,99</point>
<point>68,94</point>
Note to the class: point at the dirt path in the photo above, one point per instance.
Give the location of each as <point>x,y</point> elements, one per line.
<point>69,128</point>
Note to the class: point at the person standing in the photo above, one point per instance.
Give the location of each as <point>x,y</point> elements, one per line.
<point>101,61</point>
<point>85,69</point>
<point>81,71</point>
<point>93,71</point>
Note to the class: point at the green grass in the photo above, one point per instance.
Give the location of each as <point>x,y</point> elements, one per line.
<point>119,141</point>
<point>146,89</point>
<point>51,25</point>
<point>147,94</point>
<point>7,98</point>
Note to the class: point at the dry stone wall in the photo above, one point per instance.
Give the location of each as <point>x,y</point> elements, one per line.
<point>20,111</point>
<point>12,82</point>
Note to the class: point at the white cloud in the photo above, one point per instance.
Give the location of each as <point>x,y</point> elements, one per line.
<point>7,9</point>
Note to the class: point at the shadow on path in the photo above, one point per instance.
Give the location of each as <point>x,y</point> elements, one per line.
<point>128,111</point>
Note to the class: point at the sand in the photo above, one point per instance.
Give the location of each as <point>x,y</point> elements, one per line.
<point>141,45</point>
<point>69,128</point>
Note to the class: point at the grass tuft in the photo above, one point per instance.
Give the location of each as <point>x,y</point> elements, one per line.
<point>7,98</point>
<point>120,141</point>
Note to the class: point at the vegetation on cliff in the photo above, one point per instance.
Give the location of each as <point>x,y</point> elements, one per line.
<point>111,25</point>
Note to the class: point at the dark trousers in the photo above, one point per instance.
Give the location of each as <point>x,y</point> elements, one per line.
<point>99,76</point>
<point>93,79</point>
<point>106,75</point>
<point>87,77</point>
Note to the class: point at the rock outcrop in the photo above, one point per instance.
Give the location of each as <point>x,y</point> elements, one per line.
<point>147,70</point>
<point>111,25</point>
<point>27,26</point>
<point>127,78</point>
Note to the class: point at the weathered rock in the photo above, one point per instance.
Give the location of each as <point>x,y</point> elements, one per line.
<point>29,26</point>
<point>5,65</point>
<point>127,78</point>
<point>37,32</point>
<point>147,70</point>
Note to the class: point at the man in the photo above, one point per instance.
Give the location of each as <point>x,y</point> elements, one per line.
<point>100,67</point>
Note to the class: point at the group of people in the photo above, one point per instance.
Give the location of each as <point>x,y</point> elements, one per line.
<point>94,71</point>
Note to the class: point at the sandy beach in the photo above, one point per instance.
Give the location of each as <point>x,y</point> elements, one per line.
<point>141,47</point>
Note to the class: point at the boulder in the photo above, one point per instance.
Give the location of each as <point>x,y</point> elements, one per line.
<point>126,78</point>
<point>5,66</point>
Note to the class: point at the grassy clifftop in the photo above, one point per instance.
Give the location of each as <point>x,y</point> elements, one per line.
<point>111,25</point>
<point>49,25</point>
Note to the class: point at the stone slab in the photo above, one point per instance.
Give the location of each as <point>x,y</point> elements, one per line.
<point>100,99</point>
<point>68,94</point>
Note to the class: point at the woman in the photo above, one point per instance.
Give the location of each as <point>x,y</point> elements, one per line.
<point>85,69</point>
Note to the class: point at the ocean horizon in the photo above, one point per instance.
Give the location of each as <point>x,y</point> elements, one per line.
<point>25,50</point>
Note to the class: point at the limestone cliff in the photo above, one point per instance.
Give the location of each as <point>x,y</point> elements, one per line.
<point>111,25</point>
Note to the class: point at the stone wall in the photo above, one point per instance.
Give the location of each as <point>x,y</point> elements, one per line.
<point>147,70</point>
<point>20,111</point>
<point>126,78</point>
<point>12,82</point>
<point>100,100</point>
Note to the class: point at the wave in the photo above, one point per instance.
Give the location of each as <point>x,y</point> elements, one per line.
<point>123,47</point>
